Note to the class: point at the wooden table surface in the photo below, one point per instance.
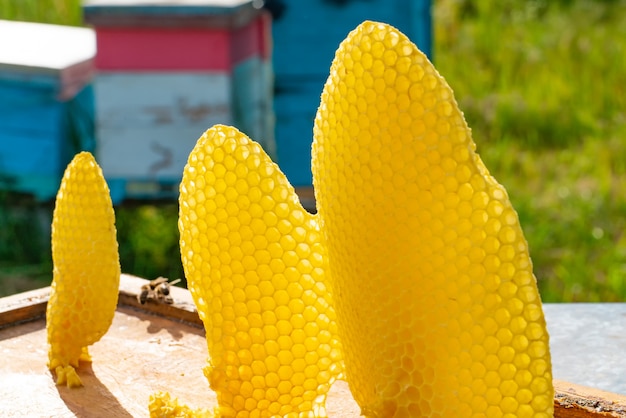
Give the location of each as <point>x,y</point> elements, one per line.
<point>148,348</point>
<point>158,347</point>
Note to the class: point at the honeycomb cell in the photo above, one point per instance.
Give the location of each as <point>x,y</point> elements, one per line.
<point>277,257</point>
<point>86,272</point>
<point>388,225</point>
<point>438,307</point>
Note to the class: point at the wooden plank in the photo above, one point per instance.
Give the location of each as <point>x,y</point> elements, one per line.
<point>148,348</point>
<point>154,347</point>
<point>145,153</point>
<point>149,122</point>
<point>182,308</point>
<point>155,99</point>
<point>22,307</point>
<point>575,401</point>
<point>140,354</point>
<point>31,305</point>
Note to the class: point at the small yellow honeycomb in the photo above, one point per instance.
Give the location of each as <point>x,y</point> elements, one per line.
<point>256,268</point>
<point>86,268</point>
<point>163,406</point>
<point>437,305</point>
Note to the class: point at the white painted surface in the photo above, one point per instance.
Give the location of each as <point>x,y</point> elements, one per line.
<point>147,123</point>
<point>52,55</point>
<point>44,48</point>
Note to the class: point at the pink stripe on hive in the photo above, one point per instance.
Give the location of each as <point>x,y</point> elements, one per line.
<point>253,39</point>
<point>123,48</point>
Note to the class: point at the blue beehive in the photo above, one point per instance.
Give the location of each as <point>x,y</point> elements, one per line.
<point>306,35</point>
<point>46,103</point>
<point>166,72</point>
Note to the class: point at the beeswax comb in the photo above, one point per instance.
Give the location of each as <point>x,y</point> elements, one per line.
<point>86,272</point>
<point>437,305</point>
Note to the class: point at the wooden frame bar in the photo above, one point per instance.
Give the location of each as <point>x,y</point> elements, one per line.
<point>571,400</point>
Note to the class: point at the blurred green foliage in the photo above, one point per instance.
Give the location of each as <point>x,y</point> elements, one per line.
<point>543,86</point>
<point>148,239</point>
<point>25,261</point>
<point>60,12</point>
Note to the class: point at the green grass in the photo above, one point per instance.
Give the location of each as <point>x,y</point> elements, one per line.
<point>61,12</point>
<point>543,86</point>
<point>25,261</point>
<point>148,239</point>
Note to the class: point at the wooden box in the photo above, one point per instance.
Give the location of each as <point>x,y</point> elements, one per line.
<point>166,72</point>
<point>303,52</point>
<point>46,103</point>
<point>149,348</point>
<point>156,347</point>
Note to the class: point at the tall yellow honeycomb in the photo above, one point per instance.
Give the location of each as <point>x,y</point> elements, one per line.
<point>437,306</point>
<point>256,270</point>
<point>415,271</point>
<point>86,268</point>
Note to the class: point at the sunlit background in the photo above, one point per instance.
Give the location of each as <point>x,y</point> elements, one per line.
<point>542,85</point>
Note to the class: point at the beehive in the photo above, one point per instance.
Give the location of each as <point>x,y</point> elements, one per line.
<point>302,53</point>
<point>166,71</point>
<point>46,103</point>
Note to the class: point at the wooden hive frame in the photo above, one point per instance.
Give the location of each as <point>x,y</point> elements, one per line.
<point>157,346</point>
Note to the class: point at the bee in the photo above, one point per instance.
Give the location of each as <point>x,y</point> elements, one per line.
<point>158,290</point>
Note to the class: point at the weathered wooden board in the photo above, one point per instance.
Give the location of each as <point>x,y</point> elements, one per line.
<point>575,401</point>
<point>154,347</point>
<point>149,122</point>
<point>22,307</point>
<point>149,348</point>
<point>139,355</point>
<point>135,100</point>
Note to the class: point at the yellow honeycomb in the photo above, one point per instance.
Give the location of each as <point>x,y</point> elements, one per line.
<point>163,406</point>
<point>86,268</point>
<point>437,306</point>
<point>256,270</point>
<point>434,305</point>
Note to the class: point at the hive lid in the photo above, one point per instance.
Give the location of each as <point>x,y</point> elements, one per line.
<point>51,55</point>
<point>171,13</point>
